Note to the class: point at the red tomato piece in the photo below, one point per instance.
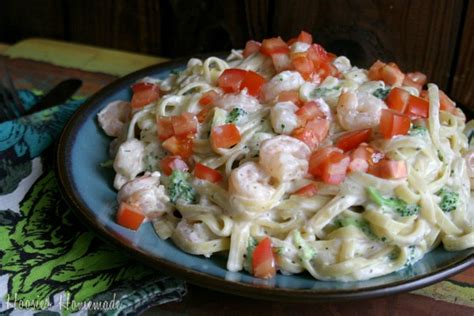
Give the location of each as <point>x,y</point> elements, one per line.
<point>203,172</point>
<point>363,157</point>
<point>313,133</point>
<point>291,96</point>
<point>281,62</point>
<point>140,86</point>
<point>308,190</point>
<point>411,83</point>
<point>352,140</point>
<point>304,66</point>
<point>263,261</point>
<point>164,128</point>
<point>181,146</point>
<point>251,47</point>
<point>309,111</point>
<point>144,94</point>
<point>375,70</point>
<point>393,123</point>
<point>184,124</point>
<point>392,75</point>
<point>389,169</point>
<point>318,158</point>
<point>274,45</point>
<point>335,168</point>
<point>417,77</point>
<point>208,97</point>
<point>397,99</point>
<point>170,163</point>
<point>327,69</point>
<point>305,38</point>
<point>129,216</point>
<point>230,80</point>
<point>253,82</point>
<point>417,107</point>
<point>225,136</point>
<point>317,54</point>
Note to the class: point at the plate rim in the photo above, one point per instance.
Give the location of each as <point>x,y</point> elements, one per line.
<point>83,212</point>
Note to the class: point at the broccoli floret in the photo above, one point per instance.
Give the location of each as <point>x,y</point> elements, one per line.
<point>449,200</point>
<point>180,188</point>
<point>381,93</point>
<point>322,92</point>
<point>362,224</point>
<point>417,130</point>
<point>400,206</point>
<point>252,243</point>
<point>305,251</point>
<point>235,115</point>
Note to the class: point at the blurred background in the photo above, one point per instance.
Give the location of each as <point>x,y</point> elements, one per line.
<point>436,36</point>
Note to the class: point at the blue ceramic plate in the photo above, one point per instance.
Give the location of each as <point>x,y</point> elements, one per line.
<point>88,189</point>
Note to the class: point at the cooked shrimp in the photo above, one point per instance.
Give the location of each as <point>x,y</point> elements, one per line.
<point>284,81</point>
<point>147,194</point>
<point>283,117</point>
<point>250,181</point>
<point>129,161</point>
<point>357,111</point>
<point>113,117</point>
<point>241,100</point>
<point>284,158</point>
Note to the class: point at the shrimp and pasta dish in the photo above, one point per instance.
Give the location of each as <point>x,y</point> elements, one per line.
<point>284,157</point>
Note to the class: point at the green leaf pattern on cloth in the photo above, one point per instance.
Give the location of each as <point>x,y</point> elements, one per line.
<point>46,253</point>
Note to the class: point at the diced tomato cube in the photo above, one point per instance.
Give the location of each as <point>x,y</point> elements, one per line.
<point>308,190</point>
<point>184,124</point>
<point>392,75</point>
<point>225,136</point>
<point>290,95</point>
<point>164,128</point>
<point>417,77</point>
<point>313,133</point>
<point>230,80</point>
<point>203,172</point>
<point>397,99</point>
<point>129,216</point>
<point>317,159</point>
<point>144,94</point>
<point>181,146</point>
<point>353,139</point>
<point>393,123</point>
<point>208,97</point>
<point>390,169</point>
<point>250,48</point>
<point>274,45</point>
<point>317,54</point>
<point>335,168</point>
<point>305,37</point>
<point>253,82</point>
<point>263,261</point>
<point>375,70</point>
<point>309,111</point>
<point>170,163</point>
<point>304,66</point>
<point>417,107</point>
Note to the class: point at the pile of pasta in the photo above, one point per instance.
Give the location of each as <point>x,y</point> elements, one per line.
<point>288,158</point>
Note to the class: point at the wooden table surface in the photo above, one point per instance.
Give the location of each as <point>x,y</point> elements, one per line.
<point>454,296</point>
